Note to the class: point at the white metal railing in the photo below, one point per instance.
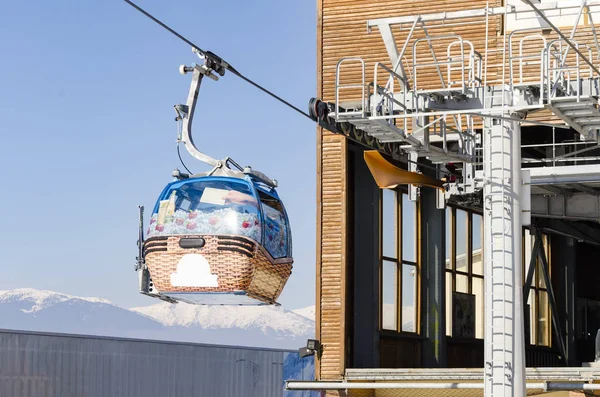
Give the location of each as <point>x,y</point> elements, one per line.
<point>383,96</point>
<point>525,59</point>
<point>559,74</point>
<point>362,86</point>
<point>474,68</point>
<point>468,63</point>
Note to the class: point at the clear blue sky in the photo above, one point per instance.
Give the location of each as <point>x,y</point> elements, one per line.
<point>87,90</point>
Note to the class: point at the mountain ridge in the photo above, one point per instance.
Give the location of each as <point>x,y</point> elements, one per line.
<point>254,326</point>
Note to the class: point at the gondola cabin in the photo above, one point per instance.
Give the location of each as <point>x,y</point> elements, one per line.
<point>218,240</point>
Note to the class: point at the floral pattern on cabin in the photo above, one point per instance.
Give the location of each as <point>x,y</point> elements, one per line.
<point>221,207</point>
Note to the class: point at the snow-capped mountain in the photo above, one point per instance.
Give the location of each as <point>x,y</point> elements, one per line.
<point>35,310</point>
<point>307,312</point>
<point>274,325</point>
<point>264,318</point>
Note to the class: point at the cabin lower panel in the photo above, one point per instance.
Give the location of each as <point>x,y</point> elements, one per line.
<point>223,264</point>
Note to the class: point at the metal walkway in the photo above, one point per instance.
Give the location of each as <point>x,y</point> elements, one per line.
<point>400,109</point>
<point>566,374</point>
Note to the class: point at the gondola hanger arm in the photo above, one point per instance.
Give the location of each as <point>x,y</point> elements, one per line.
<point>186,113</point>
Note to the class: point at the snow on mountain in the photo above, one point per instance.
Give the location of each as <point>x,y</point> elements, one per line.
<point>307,312</point>
<point>41,298</point>
<point>30,309</point>
<point>265,318</point>
<point>264,326</point>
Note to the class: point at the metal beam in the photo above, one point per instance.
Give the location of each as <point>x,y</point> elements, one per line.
<point>392,49</point>
<point>552,189</point>
<point>564,175</point>
<point>576,152</point>
<point>577,206</point>
<point>584,189</point>
<point>594,34</point>
<point>530,272</point>
<point>575,230</point>
<point>332,385</point>
<point>482,12</point>
<point>390,43</point>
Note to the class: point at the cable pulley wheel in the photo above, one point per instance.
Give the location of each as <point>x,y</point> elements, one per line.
<point>347,129</point>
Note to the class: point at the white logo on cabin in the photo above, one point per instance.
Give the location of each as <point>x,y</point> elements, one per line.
<point>193,270</point>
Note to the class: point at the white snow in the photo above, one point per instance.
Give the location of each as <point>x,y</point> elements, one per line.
<point>266,326</point>
<point>264,318</point>
<point>40,299</point>
<point>307,312</point>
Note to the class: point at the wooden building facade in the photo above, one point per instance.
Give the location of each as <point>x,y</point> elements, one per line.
<point>388,268</point>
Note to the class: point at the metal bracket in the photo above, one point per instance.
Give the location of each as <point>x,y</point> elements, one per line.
<point>412,167</point>
<point>526,197</point>
<point>140,259</point>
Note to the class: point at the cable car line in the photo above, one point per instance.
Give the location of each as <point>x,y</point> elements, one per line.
<point>220,65</point>
<point>218,61</point>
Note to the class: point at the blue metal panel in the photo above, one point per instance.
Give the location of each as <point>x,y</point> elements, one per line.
<point>54,365</point>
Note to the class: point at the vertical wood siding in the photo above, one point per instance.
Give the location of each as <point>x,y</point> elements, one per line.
<point>331,244</point>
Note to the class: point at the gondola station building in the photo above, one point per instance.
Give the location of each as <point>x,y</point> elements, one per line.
<point>458,210</point>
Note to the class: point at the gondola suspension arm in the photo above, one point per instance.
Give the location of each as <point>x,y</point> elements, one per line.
<point>185,113</point>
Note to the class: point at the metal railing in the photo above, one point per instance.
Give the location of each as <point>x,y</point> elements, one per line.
<point>468,63</point>
<point>559,74</point>
<point>526,59</point>
<point>362,112</point>
<point>383,96</point>
<point>474,68</point>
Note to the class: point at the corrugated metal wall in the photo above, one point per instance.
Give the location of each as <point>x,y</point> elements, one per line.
<point>53,365</point>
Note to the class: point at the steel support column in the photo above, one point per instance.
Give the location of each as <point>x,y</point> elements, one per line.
<point>434,271</point>
<point>504,336</point>
<point>362,347</point>
<point>564,255</point>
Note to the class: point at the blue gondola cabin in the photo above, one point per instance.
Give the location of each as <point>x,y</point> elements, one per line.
<point>219,240</point>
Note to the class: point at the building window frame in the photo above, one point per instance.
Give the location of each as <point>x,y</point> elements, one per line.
<point>467,274</point>
<point>537,336</point>
<point>537,290</point>
<point>401,264</point>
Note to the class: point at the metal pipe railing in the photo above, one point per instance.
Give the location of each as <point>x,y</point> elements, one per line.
<point>557,30</point>
<point>338,86</point>
<point>546,386</point>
